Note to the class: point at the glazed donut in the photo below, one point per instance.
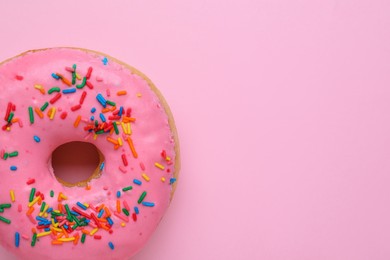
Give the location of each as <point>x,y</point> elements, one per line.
<point>68,111</point>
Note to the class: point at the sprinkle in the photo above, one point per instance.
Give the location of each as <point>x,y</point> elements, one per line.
<point>30,112</point>
<point>105,60</point>
<point>83,238</point>
<point>38,111</point>
<point>118,206</point>
<point>111,245</point>
<point>53,112</point>
<point>82,98</point>
<point>100,213</point>
<point>37,139</point>
<point>32,193</point>
<point>111,103</point>
<point>89,85</point>
<point>82,85</point>
<point>20,208</point>
<point>134,217</point>
<point>44,106</point>
<point>159,166</point>
<point>5,220</point>
<point>13,168</point>
<point>125,219</point>
<point>101,100</point>
<point>42,234</point>
<point>130,142</point>
<point>54,89</point>
<point>76,107</point>
<point>101,166</point>
<point>55,98</point>
<point>63,115</point>
<point>116,128</point>
<point>163,179</point>
<point>34,201</point>
<point>30,181</point>
<point>64,80</point>
<point>5,206</point>
<point>12,195</point>
<point>136,181</point>
<point>13,154</point>
<point>121,92</point>
<point>122,169</point>
<point>97,237</point>
<point>69,91</point>
<point>136,210</point>
<point>126,212</point>
<point>142,197</point>
<point>81,205</point>
<point>77,121</point>
<point>102,117</point>
<point>124,160</point>
<point>172,180</point>
<point>148,204</point>
<point>93,110</point>
<point>55,76</point>
<point>17,239</point>
<point>18,77</point>
<point>146,177</point>
<point>89,73</point>
<point>67,239</point>
<point>118,194</point>
<point>93,231</point>
<point>120,141</point>
<point>40,88</point>
<point>51,194</point>
<point>127,188</point>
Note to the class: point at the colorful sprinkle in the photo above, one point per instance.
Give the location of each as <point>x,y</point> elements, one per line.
<point>148,204</point>
<point>31,115</point>
<point>127,188</point>
<point>17,239</point>
<point>136,181</point>
<point>37,139</point>
<point>12,195</point>
<point>13,168</point>
<point>105,60</point>
<point>142,197</point>
<point>5,220</point>
<point>69,90</point>
<point>111,245</point>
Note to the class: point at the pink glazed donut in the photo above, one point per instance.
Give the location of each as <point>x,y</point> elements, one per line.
<point>89,156</point>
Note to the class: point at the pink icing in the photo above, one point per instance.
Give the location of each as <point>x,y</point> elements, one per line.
<point>150,133</point>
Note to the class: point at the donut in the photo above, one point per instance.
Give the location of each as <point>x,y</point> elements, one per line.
<point>89,156</point>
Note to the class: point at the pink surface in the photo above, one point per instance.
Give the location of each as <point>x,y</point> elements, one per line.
<point>282,109</point>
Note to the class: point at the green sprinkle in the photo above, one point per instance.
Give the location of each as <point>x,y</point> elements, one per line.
<point>82,83</point>
<point>5,220</point>
<point>116,128</point>
<point>54,89</point>
<point>83,238</point>
<point>125,211</point>
<point>32,193</point>
<point>76,220</point>
<point>5,156</point>
<point>11,115</point>
<point>43,206</point>
<point>74,74</point>
<point>52,193</point>
<point>68,211</point>
<point>34,239</point>
<point>5,206</point>
<point>13,154</point>
<point>44,106</point>
<point>56,214</point>
<point>127,188</point>
<point>100,132</point>
<point>111,103</point>
<point>31,114</point>
<point>141,198</point>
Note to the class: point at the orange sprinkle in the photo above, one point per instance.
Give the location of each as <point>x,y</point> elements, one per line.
<point>133,151</point>
<point>77,121</point>
<point>65,80</point>
<point>118,206</point>
<point>64,231</point>
<point>33,230</point>
<point>121,92</point>
<point>108,212</point>
<point>30,211</point>
<point>112,140</point>
<point>76,240</point>
<point>84,231</point>
<point>14,120</point>
<point>128,119</point>
<point>105,110</point>
<point>39,112</point>
<point>56,242</point>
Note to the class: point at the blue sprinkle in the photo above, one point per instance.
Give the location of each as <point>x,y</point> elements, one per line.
<point>138,182</point>
<point>93,110</point>
<point>111,245</point>
<point>136,210</point>
<point>65,226</point>
<point>102,166</point>
<point>92,118</point>
<point>105,60</point>
<point>102,117</point>
<point>37,139</point>
<point>118,194</point>
<point>148,204</point>
<point>101,213</point>
<point>55,76</point>
<point>47,229</point>
<point>74,213</point>
<point>41,219</point>
<point>13,168</point>
<point>87,221</point>
<point>120,111</point>
<point>69,90</point>
<point>81,205</point>
<point>17,239</point>
<point>101,100</point>
<point>110,221</point>
<point>172,180</point>
<point>49,210</point>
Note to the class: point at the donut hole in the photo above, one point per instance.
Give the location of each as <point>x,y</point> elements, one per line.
<point>76,163</point>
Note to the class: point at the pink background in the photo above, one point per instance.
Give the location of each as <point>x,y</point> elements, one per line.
<point>283,111</point>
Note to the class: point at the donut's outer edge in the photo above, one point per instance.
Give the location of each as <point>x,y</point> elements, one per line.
<point>133,70</point>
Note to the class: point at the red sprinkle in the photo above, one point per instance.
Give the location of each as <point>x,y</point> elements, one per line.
<point>164,154</point>
<point>124,159</point>
<point>89,84</point>
<point>142,166</point>
<point>128,112</point>
<point>76,107</point>
<point>9,107</point>
<point>89,73</point>
<point>30,181</point>
<point>83,95</point>
<point>134,217</point>
<point>55,98</point>
<point>18,77</point>
<point>97,237</point>
<point>63,115</point>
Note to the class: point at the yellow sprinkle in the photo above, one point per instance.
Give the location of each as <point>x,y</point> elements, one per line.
<point>57,229</point>
<point>123,224</point>
<point>44,210</point>
<point>63,196</point>
<point>45,215</point>
<point>86,204</point>
<point>56,211</point>
<point>8,129</point>
<point>12,194</point>
<point>78,76</point>
<point>53,112</point>
<point>44,234</point>
<point>139,95</point>
<point>146,177</point>
<point>159,166</point>
<point>124,127</point>
<point>93,231</point>
<point>94,136</point>
<point>33,202</point>
<point>128,129</point>
<point>163,179</point>
<point>168,158</point>
<point>120,141</point>
<point>66,239</point>
<point>38,86</point>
